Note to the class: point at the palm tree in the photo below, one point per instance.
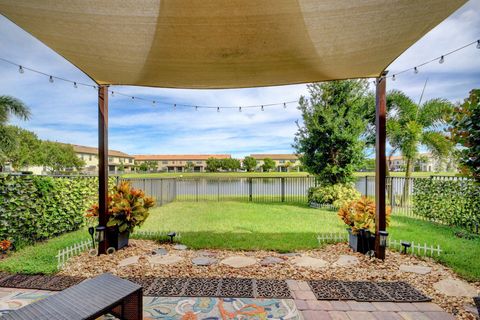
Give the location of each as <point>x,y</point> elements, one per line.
<point>12,106</point>
<point>9,106</point>
<point>411,125</point>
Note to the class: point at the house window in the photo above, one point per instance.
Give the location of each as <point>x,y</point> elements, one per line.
<point>199,162</point>
<point>110,159</point>
<point>90,157</point>
<point>281,161</point>
<point>130,160</point>
<point>164,162</point>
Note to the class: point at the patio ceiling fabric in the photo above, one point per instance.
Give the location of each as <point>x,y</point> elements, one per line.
<point>227,43</point>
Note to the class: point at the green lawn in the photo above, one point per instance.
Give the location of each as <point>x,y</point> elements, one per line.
<point>215,175</point>
<point>251,226</point>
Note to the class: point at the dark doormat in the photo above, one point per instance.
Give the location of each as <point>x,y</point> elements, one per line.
<point>53,283</point>
<point>214,287</point>
<point>366,291</point>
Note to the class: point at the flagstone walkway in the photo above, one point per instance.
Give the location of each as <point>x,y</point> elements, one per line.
<point>303,306</point>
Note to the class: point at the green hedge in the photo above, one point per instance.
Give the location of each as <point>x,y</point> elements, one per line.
<point>34,208</point>
<point>454,202</point>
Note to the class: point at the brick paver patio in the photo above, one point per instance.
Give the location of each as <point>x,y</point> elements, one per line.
<point>311,308</point>
<point>303,306</point>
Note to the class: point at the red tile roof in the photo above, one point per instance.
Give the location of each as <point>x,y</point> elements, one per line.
<point>186,157</point>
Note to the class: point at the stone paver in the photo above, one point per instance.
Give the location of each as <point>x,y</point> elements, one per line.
<point>385,315</point>
<point>239,261</point>
<point>440,315</point>
<point>271,260</point>
<point>415,269</point>
<point>303,285</point>
<point>455,288</point>
<point>346,261</point>
<point>363,315</point>
<point>165,260</point>
<point>293,285</point>
<point>427,306</point>
<point>301,304</point>
<point>309,262</point>
<point>204,261</point>
<point>361,306</point>
<point>206,253</point>
<point>160,251</point>
<point>128,261</point>
<point>406,306</point>
<point>319,305</point>
<point>303,295</point>
<point>406,315</point>
<point>180,247</point>
<point>315,315</point>
<point>386,306</point>
<point>338,315</point>
<point>290,254</point>
<point>340,305</point>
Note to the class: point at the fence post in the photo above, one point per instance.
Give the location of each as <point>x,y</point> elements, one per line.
<point>161,192</point>
<point>218,189</point>
<point>196,189</point>
<point>366,186</point>
<point>283,189</point>
<point>391,192</point>
<point>250,189</point>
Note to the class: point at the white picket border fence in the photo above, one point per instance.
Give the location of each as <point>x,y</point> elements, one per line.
<point>415,248</point>
<point>66,253</point>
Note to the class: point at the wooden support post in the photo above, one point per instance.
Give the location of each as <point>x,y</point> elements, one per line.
<point>380,162</point>
<point>103,165</point>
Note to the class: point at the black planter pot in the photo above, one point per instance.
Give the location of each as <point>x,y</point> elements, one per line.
<point>361,242</point>
<point>117,239</point>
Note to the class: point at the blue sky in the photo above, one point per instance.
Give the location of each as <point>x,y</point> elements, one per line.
<point>62,113</point>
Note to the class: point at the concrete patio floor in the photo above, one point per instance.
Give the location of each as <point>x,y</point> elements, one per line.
<point>303,306</point>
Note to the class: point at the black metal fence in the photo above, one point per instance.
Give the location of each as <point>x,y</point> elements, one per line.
<point>271,189</point>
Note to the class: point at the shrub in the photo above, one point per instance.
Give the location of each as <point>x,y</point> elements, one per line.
<point>127,207</point>
<point>360,214</point>
<point>453,202</point>
<point>34,208</point>
<point>336,195</point>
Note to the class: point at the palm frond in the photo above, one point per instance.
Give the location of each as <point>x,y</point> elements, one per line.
<point>435,112</point>
<point>437,143</point>
<point>12,106</point>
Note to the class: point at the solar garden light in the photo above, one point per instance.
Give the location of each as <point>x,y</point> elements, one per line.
<point>405,245</point>
<point>100,233</point>
<point>383,238</point>
<point>91,231</point>
<point>171,235</point>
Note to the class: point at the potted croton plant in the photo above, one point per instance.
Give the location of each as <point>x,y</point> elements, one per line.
<point>127,209</point>
<point>359,216</point>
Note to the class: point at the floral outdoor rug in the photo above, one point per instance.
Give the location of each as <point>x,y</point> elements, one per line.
<point>186,308</point>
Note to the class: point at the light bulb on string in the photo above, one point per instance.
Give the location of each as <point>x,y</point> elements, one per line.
<point>133,98</point>
<point>196,108</point>
<point>393,78</point>
<point>218,109</point>
<point>262,108</point>
<point>113,93</point>
<point>153,102</point>
<point>174,107</point>
<point>284,105</point>
<point>75,85</point>
<point>20,69</point>
<point>239,109</point>
<point>415,69</point>
<point>50,79</point>
<point>478,44</point>
<point>442,60</point>
<point>94,87</point>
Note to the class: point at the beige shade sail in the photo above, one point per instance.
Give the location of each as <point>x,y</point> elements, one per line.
<point>227,43</point>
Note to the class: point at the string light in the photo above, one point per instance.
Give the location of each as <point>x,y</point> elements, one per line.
<point>21,69</point>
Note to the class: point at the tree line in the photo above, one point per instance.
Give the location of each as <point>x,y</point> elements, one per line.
<point>21,148</point>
